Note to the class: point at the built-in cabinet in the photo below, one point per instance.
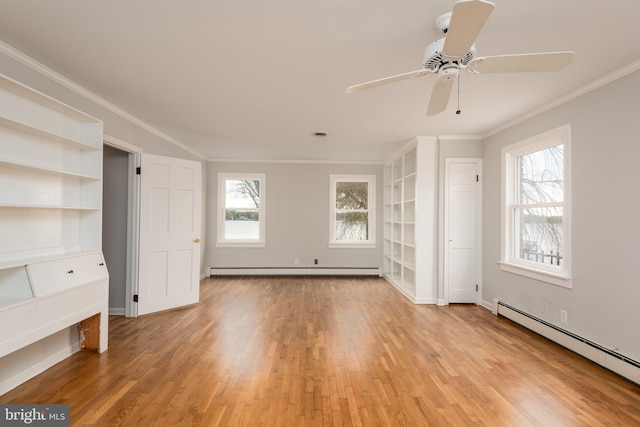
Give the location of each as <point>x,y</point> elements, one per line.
<point>410,233</point>
<point>52,272</point>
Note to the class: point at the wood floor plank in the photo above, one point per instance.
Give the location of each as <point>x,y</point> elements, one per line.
<point>320,351</point>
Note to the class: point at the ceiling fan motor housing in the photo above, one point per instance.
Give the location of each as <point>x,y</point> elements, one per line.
<point>433,58</point>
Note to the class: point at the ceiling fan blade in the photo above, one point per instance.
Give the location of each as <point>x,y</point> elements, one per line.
<point>386,80</point>
<point>440,96</point>
<point>524,63</point>
<point>467,19</point>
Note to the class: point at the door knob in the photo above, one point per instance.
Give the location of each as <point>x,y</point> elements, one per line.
<point>196,240</point>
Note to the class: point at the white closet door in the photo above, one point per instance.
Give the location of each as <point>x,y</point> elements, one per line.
<point>170,211</point>
<point>461,231</point>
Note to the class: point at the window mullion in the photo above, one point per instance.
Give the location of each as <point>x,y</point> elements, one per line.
<point>537,205</point>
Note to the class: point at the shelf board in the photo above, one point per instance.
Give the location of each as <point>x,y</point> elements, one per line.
<point>8,302</point>
<point>50,171</point>
<point>410,175</point>
<point>59,207</point>
<point>25,92</point>
<point>27,258</point>
<point>41,133</point>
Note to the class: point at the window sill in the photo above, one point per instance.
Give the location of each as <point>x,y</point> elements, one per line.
<point>537,274</point>
<point>352,245</point>
<point>240,245</point>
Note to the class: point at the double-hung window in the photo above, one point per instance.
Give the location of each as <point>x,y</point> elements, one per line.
<point>536,240</point>
<point>241,210</point>
<point>352,211</point>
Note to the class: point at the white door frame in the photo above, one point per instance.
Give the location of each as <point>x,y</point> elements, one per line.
<point>133,222</point>
<point>448,162</point>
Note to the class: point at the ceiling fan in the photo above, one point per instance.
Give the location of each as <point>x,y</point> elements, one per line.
<point>456,51</point>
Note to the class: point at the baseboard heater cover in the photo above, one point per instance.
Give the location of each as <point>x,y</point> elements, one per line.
<point>602,355</point>
<point>295,271</point>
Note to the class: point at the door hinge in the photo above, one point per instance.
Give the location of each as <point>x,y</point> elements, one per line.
<point>138,170</point>
<point>135,298</point>
<point>476,288</point>
<point>477,178</point>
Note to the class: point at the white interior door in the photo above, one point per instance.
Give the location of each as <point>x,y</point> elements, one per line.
<point>462,217</point>
<point>170,201</point>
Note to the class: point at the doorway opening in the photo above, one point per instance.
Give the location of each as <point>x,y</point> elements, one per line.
<point>120,206</point>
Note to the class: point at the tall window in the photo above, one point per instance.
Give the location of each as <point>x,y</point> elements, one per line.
<point>352,204</point>
<point>241,207</point>
<point>536,221</point>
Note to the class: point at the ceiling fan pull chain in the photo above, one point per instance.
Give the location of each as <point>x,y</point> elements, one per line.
<point>458,110</point>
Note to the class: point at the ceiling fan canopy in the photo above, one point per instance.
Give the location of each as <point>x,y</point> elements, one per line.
<point>456,51</point>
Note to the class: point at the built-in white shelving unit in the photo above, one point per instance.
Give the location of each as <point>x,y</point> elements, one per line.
<point>52,272</point>
<point>410,196</point>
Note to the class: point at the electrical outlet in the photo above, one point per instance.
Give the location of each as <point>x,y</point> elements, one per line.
<point>564,317</point>
<point>543,308</point>
<point>296,261</point>
<point>315,261</point>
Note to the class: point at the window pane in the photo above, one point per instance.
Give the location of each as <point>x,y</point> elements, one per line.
<point>242,215</point>
<point>539,234</point>
<point>352,226</point>
<point>241,227</point>
<point>352,195</point>
<point>540,176</point>
<point>242,193</point>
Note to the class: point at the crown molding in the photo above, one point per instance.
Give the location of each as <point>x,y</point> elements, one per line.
<point>313,162</point>
<point>47,72</point>
<point>477,138</point>
<point>596,84</point>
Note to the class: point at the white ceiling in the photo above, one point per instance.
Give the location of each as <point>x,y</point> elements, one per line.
<point>253,79</point>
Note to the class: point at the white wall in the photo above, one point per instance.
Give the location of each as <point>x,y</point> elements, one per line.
<point>297,217</point>
<point>605,300</point>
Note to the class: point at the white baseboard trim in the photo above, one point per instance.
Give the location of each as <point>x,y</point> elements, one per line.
<point>38,368</point>
<point>295,271</point>
<point>116,311</point>
<point>605,356</point>
<point>488,305</point>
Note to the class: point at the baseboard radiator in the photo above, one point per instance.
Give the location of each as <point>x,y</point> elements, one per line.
<point>295,271</point>
<point>602,355</point>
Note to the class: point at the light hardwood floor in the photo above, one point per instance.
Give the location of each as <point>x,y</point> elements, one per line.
<point>329,351</point>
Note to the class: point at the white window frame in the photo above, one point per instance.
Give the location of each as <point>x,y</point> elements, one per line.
<point>557,275</point>
<point>223,177</point>
<point>371,187</point>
